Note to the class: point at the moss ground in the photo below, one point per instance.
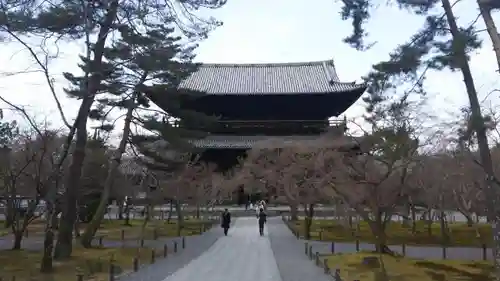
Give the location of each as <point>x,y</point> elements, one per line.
<point>92,263</point>
<point>112,229</point>
<point>404,269</point>
<point>459,233</point>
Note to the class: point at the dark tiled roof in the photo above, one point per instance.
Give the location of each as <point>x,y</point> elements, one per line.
<point>276,78</point>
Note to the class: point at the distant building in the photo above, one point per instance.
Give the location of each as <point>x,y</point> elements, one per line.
<point>255,102</point>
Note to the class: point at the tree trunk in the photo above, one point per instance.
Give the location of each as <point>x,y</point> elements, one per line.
<point>482,140</point>
<point>491,28</point>
<point>48,241</point>
<point>294,212</point>
<point>127,216</point>
<point>120,209</point>
<point>377,226</point>
<point>18,238</point>
<point>309,212</point>
<point>170,211</point>
<point>468,217</point>
<point>428,220</point>
<point>180,218</point>
<point>76,229</point>
<point>406,215</point>
<point>147,218</point>
<point>9,212</point>
<point>114,164</point>
<point>413,219</point>
<point>64,244</point>
<point>444,228</point>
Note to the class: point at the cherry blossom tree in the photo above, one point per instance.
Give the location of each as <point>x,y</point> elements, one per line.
<point>26,176</point>
<point>371,180</point>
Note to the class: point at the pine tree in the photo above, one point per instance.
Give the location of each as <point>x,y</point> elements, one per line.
<point>486,8</point>
<point>440,44</point>
<point>150,63</point>
<point>75,20</point>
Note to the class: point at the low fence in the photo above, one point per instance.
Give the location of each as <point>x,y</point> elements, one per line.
<point>443,251</point>
<point>316,257</point>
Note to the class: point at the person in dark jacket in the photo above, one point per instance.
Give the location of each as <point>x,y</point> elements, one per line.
<point>226,221</point>
<point>262,220</point>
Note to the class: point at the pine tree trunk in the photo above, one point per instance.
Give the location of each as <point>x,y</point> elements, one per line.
<point>64,245</point>
<point>479,128</point>
<point>114,164</point>
<point>491,28</point>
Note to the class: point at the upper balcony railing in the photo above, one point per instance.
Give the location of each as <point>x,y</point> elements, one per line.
<point>273,127</point>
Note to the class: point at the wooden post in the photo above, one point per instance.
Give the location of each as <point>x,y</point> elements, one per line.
<point>325,266</point>
<point>332,247</point>
<point>100,241</point>
<point>403,249</point>
<point>165,250</point>
<point>485,249</point>
<point>153,255</point>
<point>183,242</point>
<point>337,277</point>
<point>111,272</point>
<point>142,242</point>
<point>357,245</point>
<point>306,246</point>
<point>444,252</point>
<point>135,264</point>
<point>317,258</point>
<point>175,246</point>
<point>310,252</point>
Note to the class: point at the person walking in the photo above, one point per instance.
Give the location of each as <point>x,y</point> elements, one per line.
<point>262,221</point>
<point>226,221</point>
<point>258,206</point>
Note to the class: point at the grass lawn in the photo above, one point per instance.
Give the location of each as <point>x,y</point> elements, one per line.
<point>92,263</point>
<point>404,269</point>
<point>460,233</point>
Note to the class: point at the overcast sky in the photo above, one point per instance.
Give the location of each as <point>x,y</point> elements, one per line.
<point>260,31</point>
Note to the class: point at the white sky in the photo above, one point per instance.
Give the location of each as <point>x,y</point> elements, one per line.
<point>275,31</point>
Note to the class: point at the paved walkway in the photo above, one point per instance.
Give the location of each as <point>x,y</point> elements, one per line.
<point>293,264</point>
<point>241,256</point>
